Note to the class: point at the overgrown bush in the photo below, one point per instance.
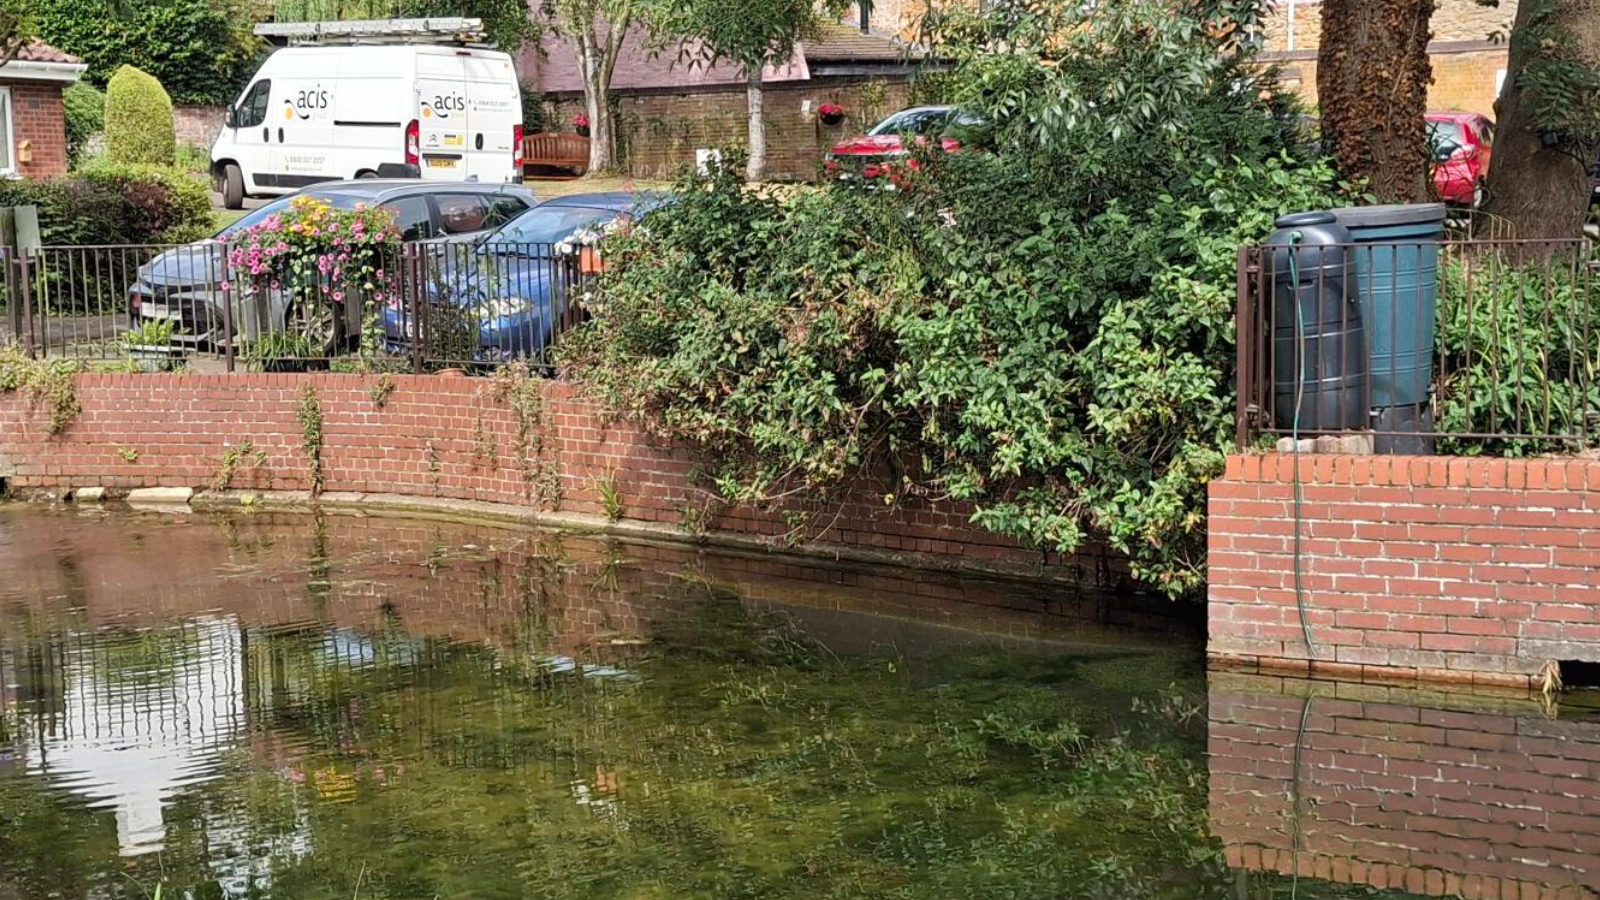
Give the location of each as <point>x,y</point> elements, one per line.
<point>1045,331</point>
<point>139,128</point>
<point>202,51</point>
<point>85,108</point>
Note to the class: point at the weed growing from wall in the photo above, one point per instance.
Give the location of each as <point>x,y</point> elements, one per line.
<point>382,389</point>
<point>521,391</point>
<point>47,382</point>
<point>309,412</point>
<point>243,452</point>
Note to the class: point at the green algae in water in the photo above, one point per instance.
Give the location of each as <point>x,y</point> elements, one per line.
<point>727,753</point>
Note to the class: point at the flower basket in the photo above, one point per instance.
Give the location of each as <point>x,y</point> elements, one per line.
<point>580,124</point>
<point>831,114</point>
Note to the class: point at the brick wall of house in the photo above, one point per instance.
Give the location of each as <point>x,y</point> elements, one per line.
<point>1464,569</point>
<point>1436,796</point>
<point>39,118</point>
<point>451,438</point>
<point>1467,62</point>
<point>1467,80</point>
<point>1453,21</point>
<point>659,132</point>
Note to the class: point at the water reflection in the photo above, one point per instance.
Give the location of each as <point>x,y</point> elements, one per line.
<point>282,707</point>
<point>128,720</point>
<point>1434,794</point>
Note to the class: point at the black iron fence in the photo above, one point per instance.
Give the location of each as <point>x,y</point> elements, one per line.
<point>414,307</point>
<point>1455,347</point>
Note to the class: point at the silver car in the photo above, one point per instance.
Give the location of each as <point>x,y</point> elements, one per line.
<point>184,285</point>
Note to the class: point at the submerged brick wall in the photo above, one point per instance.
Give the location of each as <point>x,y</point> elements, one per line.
<point>1440,568</point>
<point>445,437</point>
<point>1398,790</point>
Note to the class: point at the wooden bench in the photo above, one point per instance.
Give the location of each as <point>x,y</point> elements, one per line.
<point>553,150</point>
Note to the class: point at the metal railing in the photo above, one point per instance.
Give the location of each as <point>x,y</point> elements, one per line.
<point>418,307</point>
<point>1460,347</point>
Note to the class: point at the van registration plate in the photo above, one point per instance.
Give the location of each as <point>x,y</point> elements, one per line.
<point>435,162</point>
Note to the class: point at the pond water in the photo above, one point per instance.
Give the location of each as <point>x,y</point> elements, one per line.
<point>287,706</point>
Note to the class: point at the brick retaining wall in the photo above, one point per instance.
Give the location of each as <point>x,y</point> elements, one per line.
<point>1433,795</point>
<point>446,437</point>
<point>1440,568</point>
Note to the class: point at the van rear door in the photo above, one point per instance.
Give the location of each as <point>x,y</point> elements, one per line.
<point>443,115</point>
<point>495,103</point>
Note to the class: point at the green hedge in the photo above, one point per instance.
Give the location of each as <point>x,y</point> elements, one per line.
<point>139,127</point>
<point>201,50</point>
<point>116,204</point>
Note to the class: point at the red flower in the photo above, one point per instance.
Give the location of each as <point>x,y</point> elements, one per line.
<point>831,109</point>
<point>581,120</point>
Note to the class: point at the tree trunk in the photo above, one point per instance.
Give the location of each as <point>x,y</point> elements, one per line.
<point>756,169</point>
<point>1538,191</point>
<point>1372,86</point>
<point>597,101</point>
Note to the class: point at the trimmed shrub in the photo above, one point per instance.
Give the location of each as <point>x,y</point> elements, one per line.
<point>85,109</point>
<point>139,127</point>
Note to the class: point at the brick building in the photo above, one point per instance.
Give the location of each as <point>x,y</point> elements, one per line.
<point>33,124</point>
<point>1469,63</point>
<point>667,110</point>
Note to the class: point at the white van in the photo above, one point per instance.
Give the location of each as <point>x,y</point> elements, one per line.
<point>446,111</point>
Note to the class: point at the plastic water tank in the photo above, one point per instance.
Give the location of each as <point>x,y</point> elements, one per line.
<point>1397,281</point>
<point>1319,351</point>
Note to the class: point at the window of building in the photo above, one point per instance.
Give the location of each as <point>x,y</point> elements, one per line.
<point>8,136</point>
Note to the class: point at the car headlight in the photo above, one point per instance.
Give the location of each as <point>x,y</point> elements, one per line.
<point>505,307</point>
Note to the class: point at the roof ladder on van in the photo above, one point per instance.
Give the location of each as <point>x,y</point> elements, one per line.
<point>457,31</point>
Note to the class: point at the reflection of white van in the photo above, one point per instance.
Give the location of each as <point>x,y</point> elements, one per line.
<point>396,98</point>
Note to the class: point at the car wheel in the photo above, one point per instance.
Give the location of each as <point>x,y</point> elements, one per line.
<point>232,187</point>
<point>319,326</point>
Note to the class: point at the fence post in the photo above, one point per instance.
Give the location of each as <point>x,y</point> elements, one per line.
<point>1244,341</point>
<point>26,280</point>
<point>227,311</point>
<point>411,267</point>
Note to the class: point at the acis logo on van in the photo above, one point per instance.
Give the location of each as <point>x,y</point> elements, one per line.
<point>305,103</point>
<point>443,105</point>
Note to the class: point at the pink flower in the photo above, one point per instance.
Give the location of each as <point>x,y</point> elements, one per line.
<point>227,286</point>
<point>338,296</point>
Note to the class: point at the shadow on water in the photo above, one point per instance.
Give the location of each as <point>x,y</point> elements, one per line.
<point>276,706</point>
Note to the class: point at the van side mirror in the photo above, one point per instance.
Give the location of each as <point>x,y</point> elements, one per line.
<point>231,117</point>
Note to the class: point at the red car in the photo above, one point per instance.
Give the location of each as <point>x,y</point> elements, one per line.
<point>1462,145</point>
<point>866,156</point>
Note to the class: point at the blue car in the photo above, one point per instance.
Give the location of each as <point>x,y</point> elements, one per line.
<point>507,295</point>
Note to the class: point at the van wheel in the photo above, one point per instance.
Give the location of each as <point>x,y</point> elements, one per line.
<point>232,187</point>
<point>366,173</point>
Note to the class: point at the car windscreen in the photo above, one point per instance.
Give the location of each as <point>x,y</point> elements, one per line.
<point>913,121</point>
<point>260,214</point>
<point>1446,137</point>
<point>549,224</point>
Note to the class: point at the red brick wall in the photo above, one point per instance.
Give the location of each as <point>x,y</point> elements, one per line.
<point>659,132</point>
<point>39,118</point>
<point>434,437</point>
<point>1395,792</point>
<point>1441,568</point>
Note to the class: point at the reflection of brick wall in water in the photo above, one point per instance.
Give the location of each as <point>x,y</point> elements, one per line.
<point>482,584</point>
<point>1491,803</point>
<point>444,437</point>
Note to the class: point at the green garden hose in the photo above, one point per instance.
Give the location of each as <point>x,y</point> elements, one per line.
<point>1299,399</point>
